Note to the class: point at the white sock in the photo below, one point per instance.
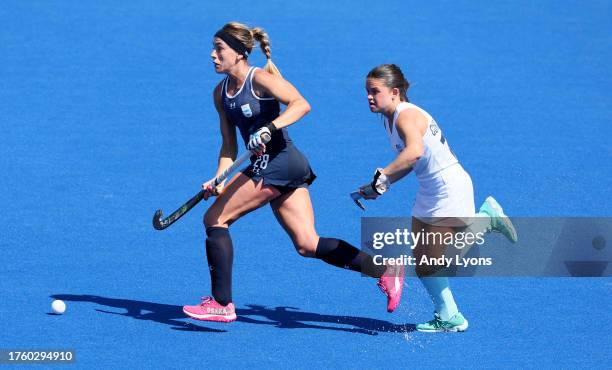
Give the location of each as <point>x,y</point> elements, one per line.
<point>441,295</point>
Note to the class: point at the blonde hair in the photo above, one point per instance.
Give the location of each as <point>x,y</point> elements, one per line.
<point>247,36</point>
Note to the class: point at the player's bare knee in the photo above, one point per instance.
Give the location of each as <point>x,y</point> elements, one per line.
<point>306,248</point>
<point>211,218</point>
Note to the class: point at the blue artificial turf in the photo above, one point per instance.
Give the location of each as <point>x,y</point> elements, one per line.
<point>106,115</point>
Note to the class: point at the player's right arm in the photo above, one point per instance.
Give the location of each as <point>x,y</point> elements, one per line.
<point>229,144</point>
<point>409,126</point>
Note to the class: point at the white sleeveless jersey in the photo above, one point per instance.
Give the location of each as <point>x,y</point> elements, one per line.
<point>437,154</point>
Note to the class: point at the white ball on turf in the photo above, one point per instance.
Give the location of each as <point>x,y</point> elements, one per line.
<point>58,306</point>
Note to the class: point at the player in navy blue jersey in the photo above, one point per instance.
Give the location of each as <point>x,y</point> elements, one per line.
<point>249,99</point>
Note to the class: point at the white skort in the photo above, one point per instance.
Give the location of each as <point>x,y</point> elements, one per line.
<point>446,198</point>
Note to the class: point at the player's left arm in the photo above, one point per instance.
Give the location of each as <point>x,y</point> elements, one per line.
<point>283,91</point>
<point>408,126</point>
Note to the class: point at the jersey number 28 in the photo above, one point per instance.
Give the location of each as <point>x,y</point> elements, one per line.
<point>261,163</point>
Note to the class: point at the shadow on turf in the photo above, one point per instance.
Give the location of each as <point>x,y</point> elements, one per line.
<point>139,310</point>
<point>280,317</point>
<point>292,318</point>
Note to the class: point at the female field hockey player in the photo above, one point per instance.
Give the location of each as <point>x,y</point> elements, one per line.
<point>445,199</point>
<point>249,99</point>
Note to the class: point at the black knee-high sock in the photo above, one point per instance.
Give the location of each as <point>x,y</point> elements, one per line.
<point>341,254</point>
<point>220,255</point>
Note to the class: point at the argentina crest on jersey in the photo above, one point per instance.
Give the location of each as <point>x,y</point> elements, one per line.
<point>246,110</point>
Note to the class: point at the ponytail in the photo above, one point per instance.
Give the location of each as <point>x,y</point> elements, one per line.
<point>261,36</point>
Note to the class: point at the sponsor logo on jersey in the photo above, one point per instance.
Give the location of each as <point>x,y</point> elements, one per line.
<point>246,110</point>
<point>232,105</point>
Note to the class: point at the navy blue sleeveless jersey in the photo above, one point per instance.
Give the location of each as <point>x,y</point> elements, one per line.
<point>282,165</point>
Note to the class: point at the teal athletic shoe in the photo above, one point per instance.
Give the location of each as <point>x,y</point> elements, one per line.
<point>456,323</point>
<point>499,221</point>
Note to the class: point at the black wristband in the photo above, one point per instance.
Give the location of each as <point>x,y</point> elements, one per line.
<point>270,126</point>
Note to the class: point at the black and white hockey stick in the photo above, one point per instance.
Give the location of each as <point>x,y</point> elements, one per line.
<point>160,224</point>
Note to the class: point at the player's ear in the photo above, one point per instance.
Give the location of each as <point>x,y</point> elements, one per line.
<point>395,92</point>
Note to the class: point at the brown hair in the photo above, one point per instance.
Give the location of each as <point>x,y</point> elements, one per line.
<point>247,36</point>
<point>392,77</point>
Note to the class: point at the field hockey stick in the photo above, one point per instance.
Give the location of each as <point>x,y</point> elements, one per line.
<point>356,197</point>
<point>160,224</point>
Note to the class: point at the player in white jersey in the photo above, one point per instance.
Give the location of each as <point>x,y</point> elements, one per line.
<point>445,199</point>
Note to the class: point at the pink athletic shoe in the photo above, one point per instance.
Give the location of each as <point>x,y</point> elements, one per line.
<point>392,284</point>
<point>211,310</point>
